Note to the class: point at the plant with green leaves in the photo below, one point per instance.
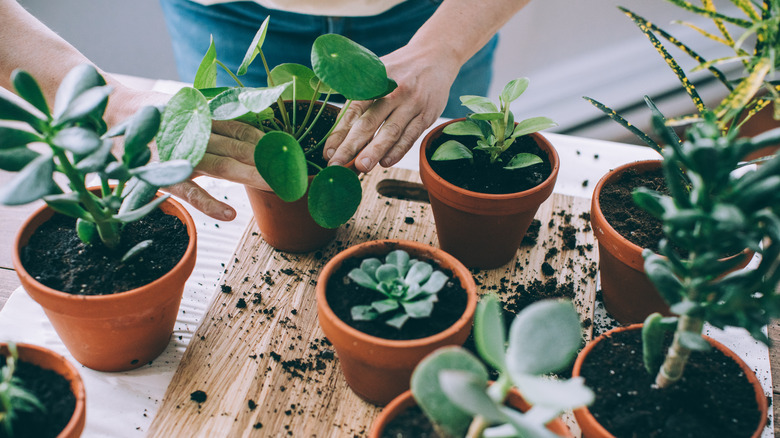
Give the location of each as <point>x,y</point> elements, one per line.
<point>339,66</point>
<point>78,144</point>
<point>14,397</point>
<point>451,384</point>
<point>495,130</point>
<point>719,211</point>
<point>410,288</point>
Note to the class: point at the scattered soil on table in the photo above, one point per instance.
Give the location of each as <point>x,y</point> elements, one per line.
<point>485,177</point>
<point>411,423</point>
<point>53,391</point>
<point>57,258</point>
<point>713,399</point>
<point>343,294</point>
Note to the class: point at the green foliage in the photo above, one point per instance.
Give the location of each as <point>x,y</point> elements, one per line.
<point>339,66</point>
<point>14,397</point>
<point>409,286</point>
<point>79,145</point>
<point>494,128</point>
<point>451,385</point>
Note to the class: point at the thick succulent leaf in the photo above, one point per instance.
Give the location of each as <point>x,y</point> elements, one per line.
<point>468,391</point>
<point>14,159</point>
<point>385,306</point>
<point>362,278</point>
<point>363,313</point>
<point>398,320</point>
<point>281,162</point>
<point>526,425</point>
<point>400,259</point>
<point>556,394</point>
<point>32,183</point>
<point>26,87</point>
<point>77,140</point>
<point>141,129</point>
<point>452,150</point>
<point>653,202</point>
<point>465,127</point>
<point>334,196</point>
<point>479,104</point>
<point>301,78</point>
<point>206,76</point>
<point>534,124</point>
<point>418,273</point>
<point>19,111</point>
<point>164,174</point>
<point>489,332</point>
<point>254,47</point>
<point>78,80</point>
<point>435,282</point>
<point>227,105</point>
<point>185,127</point>
<point>259,99</point>
<point>349,68</point>
<point>137,194</point>
<point>68,204</point>
<point>693,341</point>
<point>370,265</point>
<point>653,330</point>
<point>85,104</point>
<point>522,160</point>
<point>543,338</point>
<point>387,273</point>
<point>427,390</point>
<point>418,309</point>
<point>661,274</point>
<point>98,159</point>
<point>514,89</point>
<point>12,138</point>
<point>136,250</point>
<point>134,215</point>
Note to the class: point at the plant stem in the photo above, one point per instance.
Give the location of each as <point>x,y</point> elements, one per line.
<point>235,78</point>
<point>677,355</point>
<point>497,392</point>
<point>341,114</point>
<point>279,101</point>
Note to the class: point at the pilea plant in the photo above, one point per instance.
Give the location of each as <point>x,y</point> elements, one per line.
<point>409,285</point>
<point>339,66</point>
<point>451,384</point>
<point>494,128</point>
<point>719,212</point>
<point>78,145</point>
<point>14,398</point>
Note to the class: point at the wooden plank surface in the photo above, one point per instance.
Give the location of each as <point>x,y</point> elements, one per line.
<point>260,358</point>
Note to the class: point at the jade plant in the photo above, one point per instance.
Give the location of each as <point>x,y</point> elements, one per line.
<point>494,128</point>
<point>61,147</point>
<point>339,66</point>
<point>14,397</point>
<point>451,385</point>
<point>408,285</point>
<point>715,211</point>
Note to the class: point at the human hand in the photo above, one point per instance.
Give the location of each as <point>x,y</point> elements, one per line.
<point>424,80</point>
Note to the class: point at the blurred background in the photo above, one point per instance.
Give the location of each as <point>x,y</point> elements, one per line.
<point>568,49</point>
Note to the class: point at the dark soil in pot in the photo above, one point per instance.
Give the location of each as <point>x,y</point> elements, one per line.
<point>320,129</point>
<point>343,294</point>
<point>713,399</point>
<point>57,258</point>
<point>411,423</point>
<point>53,391</point>
<point>485,177</point>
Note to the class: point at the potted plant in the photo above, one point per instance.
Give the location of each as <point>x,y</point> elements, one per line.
<point>713,211</point>
<point>41,393</point>
<point>110,287</point>
<point>306,200</point>
<point>451,385</point>
<point>620,247</point>
<point>482,223</point>
<point>385,305</point>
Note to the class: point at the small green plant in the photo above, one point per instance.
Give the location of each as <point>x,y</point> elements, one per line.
<point>494,129</point>
<point>78,144</point>
<point>451,385</point>
<point>339,66</point>
<point>409,285</point>
<point>720,212</point>
<point>14,398</point>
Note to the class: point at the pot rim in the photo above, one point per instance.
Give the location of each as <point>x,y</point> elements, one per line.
<point>364,248</point>
<point>761,401</point>
<point>540,140</point>
<point>178,210</point>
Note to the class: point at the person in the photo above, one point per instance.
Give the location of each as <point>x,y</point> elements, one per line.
<point>377,132</point>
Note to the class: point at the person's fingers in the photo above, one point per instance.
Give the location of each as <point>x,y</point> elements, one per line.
<point>237,130</point>
<point>394,152</point>
<point>229,168</point>
<point>235,140</point>
<point>342,130</point>
<point>199,198</point>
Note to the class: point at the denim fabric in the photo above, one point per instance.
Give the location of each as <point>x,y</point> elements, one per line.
<point>290,36</point>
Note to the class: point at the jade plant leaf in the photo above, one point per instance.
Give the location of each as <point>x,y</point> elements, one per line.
<point>524,424</point>
<point>14,159</point>
<point>206,76</point>
<point>489,332</point>
<point>86,103</point>
<point>227,105</point>
<point>452,150</point>
<point>80,79</point>
<point>281,162</point>
<point>97,159</point>
<point>556,394</point>
<point>67,203</point>
<point>77,140</point>
<point>165,173</point>
<point>428,392</point>
<point>334,196</point>
<point>185,127</point>
<point>254,47</point>
<point>349,68</point>
<point>301,78</point>
<point>259,99</point>
<point>11,138</point>
<point>32,183</point>
<point>467,390</point>
<point>522,160</point>
<point>26,86</point>
<point>141,129</point>
<point>11,110</point>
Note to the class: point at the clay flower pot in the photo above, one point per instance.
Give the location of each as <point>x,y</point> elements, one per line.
<point>406,401</point>
<point>591,428</point>
<point>49,360</point>
<point>379,369</point>
<point>114,332</point>
<point>482,230</point>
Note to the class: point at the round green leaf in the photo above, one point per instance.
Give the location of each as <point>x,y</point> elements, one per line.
<point>185,127</point>
<point>334,196</point>
<point>281,162</point>
<point>227,106</point>
<point>522,160</point>
<point>259,99</point>
<point>452,150</point>
<point>489,336</point>
<point>534,124</point>
<point>465,127</point>
<point>349,68</point>
<point>301,78</point>
<point>12,138</point>
<point>468,391</point>
<point>87,231</point>
<point>26,86</point>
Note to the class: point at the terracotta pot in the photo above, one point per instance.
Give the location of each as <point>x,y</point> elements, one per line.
<point>406,401</point>
<point>379,369</point>
<point>116,332</point>
<point>591,428</point>
<point>49,360</point>
<point>628,294</point>
<point>288,226</point>
<point>482,230</point>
